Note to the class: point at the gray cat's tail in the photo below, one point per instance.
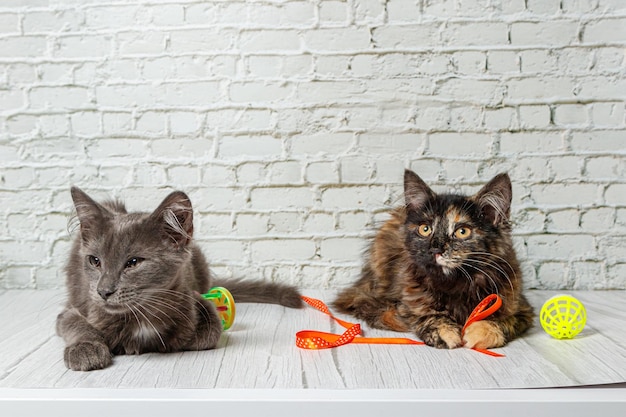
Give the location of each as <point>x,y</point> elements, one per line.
<point>245,291</point>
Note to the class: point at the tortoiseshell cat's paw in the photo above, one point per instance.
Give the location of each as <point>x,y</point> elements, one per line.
<point>443,337</point>
<point>87,356</point>
<point>483,335</point>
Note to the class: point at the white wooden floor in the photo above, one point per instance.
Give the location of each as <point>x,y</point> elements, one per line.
<point>259,353</point>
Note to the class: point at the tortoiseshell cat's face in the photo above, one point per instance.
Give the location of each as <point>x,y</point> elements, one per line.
<point>453,236</point>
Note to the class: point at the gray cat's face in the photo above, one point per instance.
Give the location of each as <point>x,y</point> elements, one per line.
<point>126,257</point>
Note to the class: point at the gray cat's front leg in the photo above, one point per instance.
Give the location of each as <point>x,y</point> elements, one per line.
<point>208,327</point>
<point>85,347</point>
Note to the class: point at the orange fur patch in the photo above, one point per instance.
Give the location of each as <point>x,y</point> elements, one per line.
<point>390,319</point>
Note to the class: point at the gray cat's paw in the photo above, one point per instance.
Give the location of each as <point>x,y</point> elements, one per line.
<point>87,356</point>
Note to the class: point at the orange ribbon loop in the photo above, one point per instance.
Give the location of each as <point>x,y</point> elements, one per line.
<point>312,339</point>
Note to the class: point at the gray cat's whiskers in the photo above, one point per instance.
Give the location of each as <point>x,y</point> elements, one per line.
<point>138,309</point>
<point>156,291</point>
<point>156,302</point>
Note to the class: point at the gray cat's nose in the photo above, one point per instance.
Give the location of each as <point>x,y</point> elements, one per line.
<point>105,293</point>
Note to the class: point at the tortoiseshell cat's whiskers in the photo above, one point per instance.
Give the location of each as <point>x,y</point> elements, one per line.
<point>434,261</point>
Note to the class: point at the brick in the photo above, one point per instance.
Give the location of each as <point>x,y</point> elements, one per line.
<point>23,46</point>
<point>336,143</point>
<point>565,194</point>
<point>504,118</point>
<point>211,198</point>
<point>60,97</point>
<point>288,250</point>
<point>340,39</point>
<point>116,123</point>
<point>206,40</point>
<point>403,11</point>
<point>615,276</point>
<point>318,223</point>
<point>342,249</point>
<point>606,167</point>
<point>535,117</point>
<point>608,114</point>
<point>557,247</point>
<point>370,11</point>
<point>598,141</point>
<point>259,92</point>
<point>563,221</point>
<point>224,250</point>
<point>285,197</point>
<point>353,197</point>
<point>537,61</point>
<point>269,40</point>
<point>502,62</point>
<point>285,172</point>
<point>474,91</point>
<point>515,143</point>
<point>118,147</point>
<point>553,32</point>
<point>252,173</point>
<point>85,123</point>
<point>571,115</point>
<point>566,167</point>
<point>36,22</point>
<point>322,173</point>
<point>132,43</point>
<point>182,123</point>
<point>355,222</point>
<point>450,144</point>
<point>605,30</point>
<point>612,248</point>
<point>615,194</point>
<point>479,33</point>
<point>553,275</point>
<point>333,13</point>
<point>598,220</point>
<point>249,146</point>
<point>83,46</point>
<point>284,222</point>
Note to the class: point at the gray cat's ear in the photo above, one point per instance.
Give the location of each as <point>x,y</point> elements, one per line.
<point>175,218</point>
<point>494,199</point>
<point>416,191</point>
<point>90,214</point>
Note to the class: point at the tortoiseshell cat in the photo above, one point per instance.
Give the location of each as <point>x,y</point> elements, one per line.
<point>435,260</point>
<point>134,282</point>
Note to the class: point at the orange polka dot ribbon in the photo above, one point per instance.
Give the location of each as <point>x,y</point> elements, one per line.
<point>313,339</point>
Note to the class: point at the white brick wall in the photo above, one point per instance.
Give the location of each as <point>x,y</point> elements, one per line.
<point>290,122</point>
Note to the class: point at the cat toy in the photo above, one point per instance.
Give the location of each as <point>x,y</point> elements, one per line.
<point>224,304</point>
<point>563,316</point>
<point>312,339</point>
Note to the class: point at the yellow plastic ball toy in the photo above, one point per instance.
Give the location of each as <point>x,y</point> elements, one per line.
<point>563,316</point>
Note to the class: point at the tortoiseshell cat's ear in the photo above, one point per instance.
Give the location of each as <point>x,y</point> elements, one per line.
<point>416,192</point>
<point>90,213</point>
<point>175,218</point>
<point>494,199</point>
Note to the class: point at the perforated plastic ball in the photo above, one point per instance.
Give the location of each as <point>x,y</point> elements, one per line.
<point>563,316</point>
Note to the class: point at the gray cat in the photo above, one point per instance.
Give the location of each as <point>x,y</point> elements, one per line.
<point>134,282</point>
